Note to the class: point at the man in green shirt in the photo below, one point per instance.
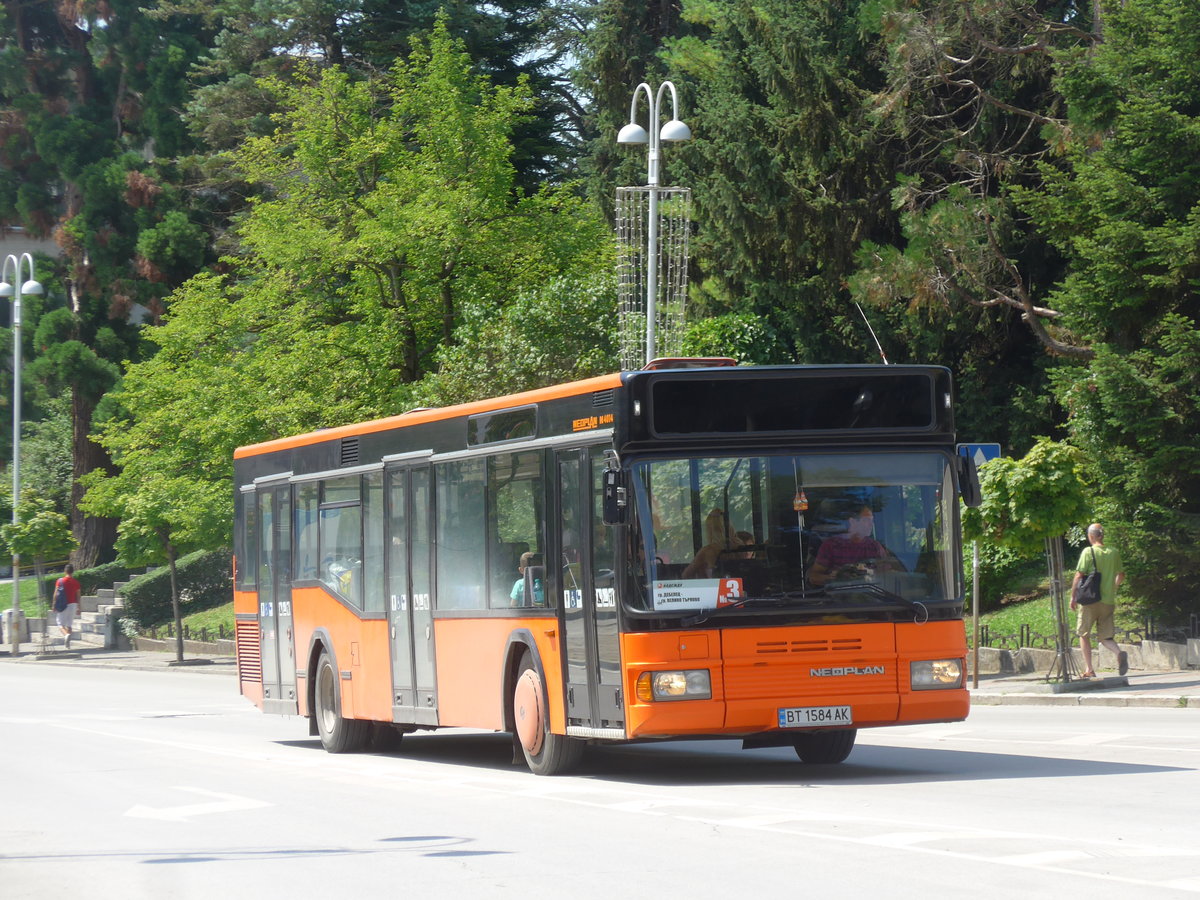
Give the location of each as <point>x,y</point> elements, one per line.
<point>1108,561</point>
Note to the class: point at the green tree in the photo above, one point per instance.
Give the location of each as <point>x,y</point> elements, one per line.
<point>787,174</point>
<point>402,201</point>
<point>46,469</point>
<point>1136,415</point>
<point>388,220</point>
<point>164,512</point>
<point>562,331</point>
<point>1030,500</point>
<point>972,110</point>
<point>1122,206</point>
<point>90,94</point>
<point>507,40</point>
<point>41,533</point>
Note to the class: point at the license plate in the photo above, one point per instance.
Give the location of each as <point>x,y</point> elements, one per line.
<point>807,716</point>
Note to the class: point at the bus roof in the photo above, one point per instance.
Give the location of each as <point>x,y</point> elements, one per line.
<point>416,417</point>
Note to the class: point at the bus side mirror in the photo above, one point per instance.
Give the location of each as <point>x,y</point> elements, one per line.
<point>968,481</point>
<point>615,501</point>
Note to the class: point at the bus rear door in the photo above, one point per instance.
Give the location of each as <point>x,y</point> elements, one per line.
<point>275,599</point>
<point>410,595</point>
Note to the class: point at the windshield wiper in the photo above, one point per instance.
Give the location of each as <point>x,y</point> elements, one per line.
<point>870,587</point>
<point>706,614</point>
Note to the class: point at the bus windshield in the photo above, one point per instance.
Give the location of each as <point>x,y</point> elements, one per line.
<point>830,532</point>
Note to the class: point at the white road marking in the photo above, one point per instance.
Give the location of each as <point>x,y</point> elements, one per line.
<point>1044,858</point>
<point>1084,740</point>
<point>910,838</point>
<point>223,803</point>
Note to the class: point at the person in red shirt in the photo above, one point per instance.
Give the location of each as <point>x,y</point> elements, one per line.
<point>853,554</point>
<point>66,617</point>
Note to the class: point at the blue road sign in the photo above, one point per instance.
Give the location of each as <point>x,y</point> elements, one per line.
<point>981,453</point>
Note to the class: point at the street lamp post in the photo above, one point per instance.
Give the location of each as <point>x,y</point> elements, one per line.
<point>633,133</point>
<point>15,289</point>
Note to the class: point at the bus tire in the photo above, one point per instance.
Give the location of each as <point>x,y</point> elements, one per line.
<point>338,735</point>
<point>385,737</point>
<point>546,753</point>
<point>825,746</point>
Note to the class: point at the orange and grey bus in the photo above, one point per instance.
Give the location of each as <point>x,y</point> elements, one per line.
<point>695,549</point>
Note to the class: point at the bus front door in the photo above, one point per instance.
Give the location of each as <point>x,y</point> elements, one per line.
<point>410,596</point>
<point>587,606</point>
<point>275,599</point>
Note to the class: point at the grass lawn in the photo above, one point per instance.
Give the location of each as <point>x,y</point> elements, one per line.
<point>30,604</point>
<point>1038,614</point>
<point>212,619</point>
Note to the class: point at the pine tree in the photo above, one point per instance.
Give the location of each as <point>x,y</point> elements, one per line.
<point>90,93</point>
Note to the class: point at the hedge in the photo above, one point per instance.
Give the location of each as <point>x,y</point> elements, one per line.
<point>205,580</point>
<point>102,576</point>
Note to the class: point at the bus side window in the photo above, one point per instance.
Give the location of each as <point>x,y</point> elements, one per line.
<point>515,524</point>
<point>461,537</point>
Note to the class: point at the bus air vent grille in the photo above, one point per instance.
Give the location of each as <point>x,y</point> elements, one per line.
<point>249,651</point>
<point>349,451</point>
<point>818,645</point>
<point>602,398</point>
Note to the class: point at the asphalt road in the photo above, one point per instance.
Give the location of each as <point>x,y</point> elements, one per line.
<point>138,784</point>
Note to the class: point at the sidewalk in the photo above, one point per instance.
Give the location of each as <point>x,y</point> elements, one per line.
<point>1164,689</point>
<point>1149,688</point>
<point>92,657</point>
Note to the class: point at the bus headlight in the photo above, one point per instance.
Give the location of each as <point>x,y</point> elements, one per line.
<point>935,674</point>
<point>691,684</point>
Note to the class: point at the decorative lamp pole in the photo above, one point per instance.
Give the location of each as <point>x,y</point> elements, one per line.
<point>633,133</point>
<point>15,289</point>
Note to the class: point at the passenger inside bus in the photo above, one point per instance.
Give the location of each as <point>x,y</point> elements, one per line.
<point>528,589</point>
<point>720,539</point>
<point>853,554</point>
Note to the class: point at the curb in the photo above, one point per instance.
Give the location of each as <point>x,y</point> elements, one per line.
<point>1019,699</point>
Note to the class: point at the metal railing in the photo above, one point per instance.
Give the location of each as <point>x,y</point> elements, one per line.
<point>204,635</point>
<point>1149,630</point>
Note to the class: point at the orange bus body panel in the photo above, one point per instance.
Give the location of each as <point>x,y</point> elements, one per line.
<point>360,647</point>
<point>470,666</point>
<point>933,640</point>
<point>248,646</point>
<point>757,671</point>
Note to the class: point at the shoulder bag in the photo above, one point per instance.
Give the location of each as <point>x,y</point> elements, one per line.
<point>1087,591</point>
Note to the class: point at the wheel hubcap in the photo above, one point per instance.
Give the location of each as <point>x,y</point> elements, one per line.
<point>325,702</point>
<point>527,707</point>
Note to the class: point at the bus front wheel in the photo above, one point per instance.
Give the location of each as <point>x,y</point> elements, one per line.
<point>546,753</point>
<point>825,746</point>
<point>338,735</point>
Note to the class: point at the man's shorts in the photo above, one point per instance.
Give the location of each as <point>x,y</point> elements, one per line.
<point>1100,615</point>
<point>66,618</point>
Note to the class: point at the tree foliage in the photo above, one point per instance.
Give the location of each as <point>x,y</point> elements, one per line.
<point>1135,415</point>
<point>1025,501</point>
<point>388,225</point>
<point>90,94</point>
<point>41,533</point>
<point>393,205</point>
<point>558,332</point>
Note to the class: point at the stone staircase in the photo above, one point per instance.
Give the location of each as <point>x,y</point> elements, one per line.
<point>99,619</point>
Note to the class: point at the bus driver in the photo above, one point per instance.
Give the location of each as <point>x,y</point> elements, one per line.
<point>853,554</point>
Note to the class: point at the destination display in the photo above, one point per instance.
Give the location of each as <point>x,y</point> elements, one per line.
<point>697,593</point>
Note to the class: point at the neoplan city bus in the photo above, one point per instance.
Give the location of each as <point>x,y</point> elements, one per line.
<point>695,549</point>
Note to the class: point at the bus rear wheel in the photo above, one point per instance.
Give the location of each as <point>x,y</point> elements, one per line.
<point>825,746</point>
<point>338,735</point>
<point>546,753</point>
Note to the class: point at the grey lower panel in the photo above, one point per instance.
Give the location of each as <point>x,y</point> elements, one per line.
<point>281,707</point>
<point>411,715</point>
<point>606,734</point>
